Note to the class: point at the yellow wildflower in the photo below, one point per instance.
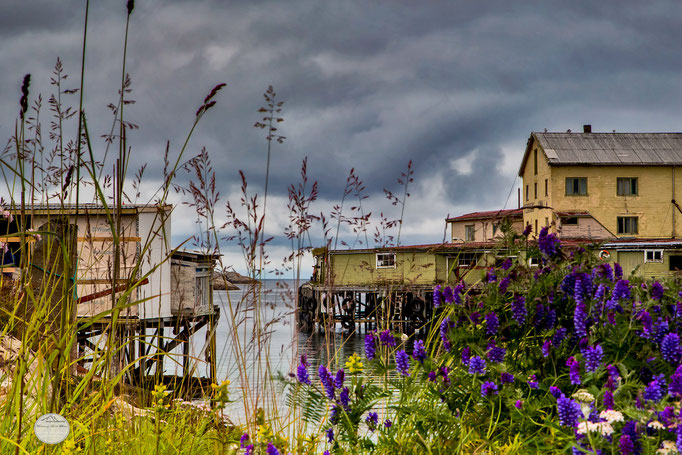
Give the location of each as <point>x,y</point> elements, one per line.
<point>354,364</point>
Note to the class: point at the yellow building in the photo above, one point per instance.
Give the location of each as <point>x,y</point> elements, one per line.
<point>603,185</point>
<point>616,188</point>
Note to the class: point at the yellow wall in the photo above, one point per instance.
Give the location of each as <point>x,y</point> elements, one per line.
<point>360,268</point>
<point>532,213</point>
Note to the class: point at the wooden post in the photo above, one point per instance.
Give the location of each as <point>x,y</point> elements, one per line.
<point>142,353</point>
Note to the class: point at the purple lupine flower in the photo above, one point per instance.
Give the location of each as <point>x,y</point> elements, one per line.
<point>388,423</point>
<point>667,415</point>
<point>600,292</point>
<point>527,230</point>
<point>678,438</point>
<point>506,378</point>
<point>326,379</point>
<point>437,296</point>
<point>568,284</point>
<point>603,270</point>
<point>503,285</point>
<point>569,411</point>
<point>492,323</point>
<point>402,362</point>
<point>578,294</point>
<point>444,327</point>
<point>494,353</point>
<point>302,371</point>
<point>559,336</point>
<point>657,291</point>
<point>675,387</point>
<point>518,404</point>
<point>630,429</point>
<point>625,445</point>
<point>614,377</point>
<point>443,371</point>
<point>555,391</point>
<point>432,376</point>
<point>488,388</point>
<point>670,348</point>
<point>475,317</point>
<point>533,382</point>
<point>608,400</point>
<point>372,421</point>
<point>539,315</point>
<point>370,345</point>
<point>621,291</point>
<point>592,356</point>
<point>387,338</point>
<point>546,347</point>
<point>466,355</point>
<point>656,389</point>
<point>519,311</point>
<point>617,271</point>
<point>334,415</point>
<point>548,244</point>
<point>330,435</point>
<point>574,370</point>
<point>448,295</point>
<point>506,265</point>
<point>249,450</point>
<point>550,318</point>
<point>272,450</point>
<point>418,351</point>
<point>457,293</point>
<point>662,328</point>
<point>243,440</point>
<point>490,276</point>
<point>476,365</point>
<point>338,380</point>
<point>580,320</point>
<point>344,398</point>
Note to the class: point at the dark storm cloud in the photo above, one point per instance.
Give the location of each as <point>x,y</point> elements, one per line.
<point>369,85</point>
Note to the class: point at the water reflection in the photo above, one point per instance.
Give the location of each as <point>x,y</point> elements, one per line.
<point>284,343</point>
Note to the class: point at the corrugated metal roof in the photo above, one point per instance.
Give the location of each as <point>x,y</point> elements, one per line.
<point>608,149</point>
<point>489,214</point>
<point>612,148</point>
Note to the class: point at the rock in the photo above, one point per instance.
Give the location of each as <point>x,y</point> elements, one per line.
<point>220,283</point>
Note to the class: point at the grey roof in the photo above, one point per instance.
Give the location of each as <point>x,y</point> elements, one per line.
<point>609,149</point>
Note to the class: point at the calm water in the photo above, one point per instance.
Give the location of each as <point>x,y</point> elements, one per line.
<point>285,345</point>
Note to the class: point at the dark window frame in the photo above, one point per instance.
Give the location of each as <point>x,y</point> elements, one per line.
<point>627,186</point>
<point>625,224</point>
<point>576,186</point>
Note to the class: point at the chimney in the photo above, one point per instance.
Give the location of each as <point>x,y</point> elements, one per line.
<point>587,128</point>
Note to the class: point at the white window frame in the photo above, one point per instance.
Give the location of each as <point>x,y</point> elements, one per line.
<point>382,261</point>
<point>533,261</point>
<point>654,253</point>
<point>472,263</point>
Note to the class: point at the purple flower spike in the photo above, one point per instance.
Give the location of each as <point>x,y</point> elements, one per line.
<point>625,445</point>
<point>518,404</point>
<point>608,400</point>
<point>444,328</point>
<point>326,379</point>
<point>448,295</point>
<point>466,355</point>
<point>437,296</point>
<point>670,348</point>
<point>372,421</point>
<point>555,391</point>
<point>546,347</point>
<point>506,378</point>
<point>271,449</point>
<point>338,380</point>
<point>330,435</point>
<point>302,371</point>
<point>580,320</point>
<point>370,346</point>
<point>488,388</point>
<point>527,230</point>
<point>249,450</point>
<point>657,291</point>
<point>402,362</point>
<point>519,310</point>
<point>569,411</point>
<point>532,382</point>
<point>387,338</point>
<point>344,398</point>
<point>418,351</point>
<point>492,323</point>
<point>243,440</point>
<point>593,356</point>
<point>548,244</point>
<point>618,271</point>
<point>476,365</point>
<point>656,389</point>
<point>574,370</point>
<point>388,423</point>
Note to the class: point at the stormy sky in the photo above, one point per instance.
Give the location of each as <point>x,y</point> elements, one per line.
<point>454,86</point>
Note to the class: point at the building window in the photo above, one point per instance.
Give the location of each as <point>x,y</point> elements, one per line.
<point>627,186</point>
<point>535,161</point>
<point>469,233</point>
<point>385,260</point>
<point>536,226</point>
<point>495,228</point>
<point>653,255</point>
<point>571,220</point>
<point>627,225</point>
<point>536,190</point>
<point>533,261</point>
<point>546,221</point>
<point>527,193</point>
<point>546,187</point>
<point>675,264</point>
<point>576,186</point>
<point>467,259</point>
